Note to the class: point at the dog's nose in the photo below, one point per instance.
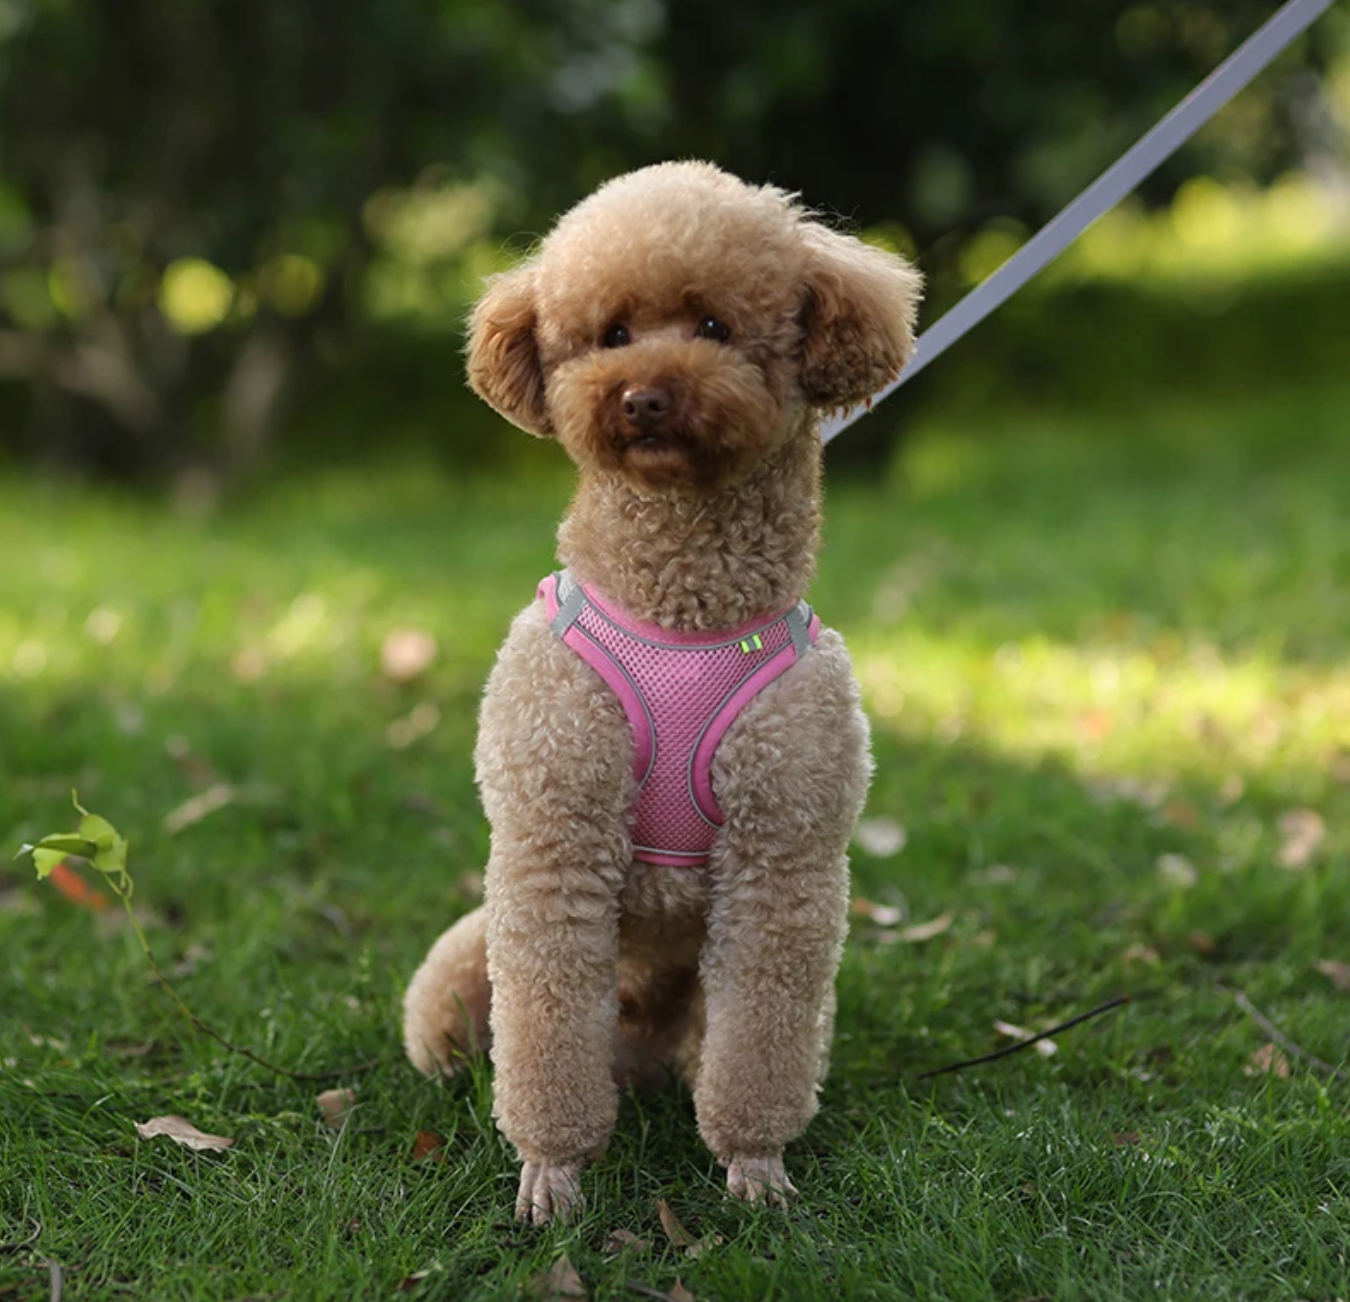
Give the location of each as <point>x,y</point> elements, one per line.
<point>646,408</point>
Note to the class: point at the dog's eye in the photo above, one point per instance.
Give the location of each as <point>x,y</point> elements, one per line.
<point>711,328</point>
<point>616,336</point>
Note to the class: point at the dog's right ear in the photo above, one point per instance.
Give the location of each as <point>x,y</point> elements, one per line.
<point>503,354</point>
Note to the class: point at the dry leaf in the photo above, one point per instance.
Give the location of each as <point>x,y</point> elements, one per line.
<point>707,1242</point>
<point>678,1293</point>
<point>1176,870</point>
<point>428,1146</point>
<point>410,1282</point>
<point>927,930</point>
<point>1142,954</point>
<point>558,1283</point>
<point>625,1241</point>
<point>182,1132</point>
<point>193,810</point>
<point>1046,1048</point>
<point>407,653</point>
<point>675,1232</point>
<point>880,837</point>
<point>418,722</point>
<point>1301,832</point>
<point>884,915</point>
<point>1267,1060</point>
<point>1181,813</point>
<point>1125,1138</point>
<point>78,891</point>
<point>336,1106</point>
<point>1336,972</point>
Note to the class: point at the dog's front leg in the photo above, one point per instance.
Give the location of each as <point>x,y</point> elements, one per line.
<point>791,777</point>
<point>554,765</point>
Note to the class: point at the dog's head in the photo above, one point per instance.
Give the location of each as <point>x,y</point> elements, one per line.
<point>676,326</point>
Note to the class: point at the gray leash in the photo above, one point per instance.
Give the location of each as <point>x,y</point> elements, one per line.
<point>1148,153</point>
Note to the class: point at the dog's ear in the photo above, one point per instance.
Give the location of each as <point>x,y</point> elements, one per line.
<point>503,355</point>
<point>857,318</point>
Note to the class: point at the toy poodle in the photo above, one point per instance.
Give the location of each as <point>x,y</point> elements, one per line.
<point>672,753</point>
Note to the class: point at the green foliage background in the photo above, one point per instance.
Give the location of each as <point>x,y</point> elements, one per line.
<point>215,213</point>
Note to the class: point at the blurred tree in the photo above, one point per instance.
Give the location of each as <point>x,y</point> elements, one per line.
<point>182,189</point>
<point>192,194</point>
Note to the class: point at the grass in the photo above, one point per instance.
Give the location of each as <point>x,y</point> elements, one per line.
<point>1105,660</point>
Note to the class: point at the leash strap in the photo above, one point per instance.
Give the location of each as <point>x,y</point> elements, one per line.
<point>1148,153</point>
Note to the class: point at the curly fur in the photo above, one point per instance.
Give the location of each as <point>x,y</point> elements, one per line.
<point>585,970</point>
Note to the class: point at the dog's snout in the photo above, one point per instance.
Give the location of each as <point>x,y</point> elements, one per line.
<point>646,407</point>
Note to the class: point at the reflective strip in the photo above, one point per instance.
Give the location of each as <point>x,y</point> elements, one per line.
<point>799,628</point>
<point>571,602</point>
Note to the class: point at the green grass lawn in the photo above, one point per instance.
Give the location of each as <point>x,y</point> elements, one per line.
<point>1108,663</point>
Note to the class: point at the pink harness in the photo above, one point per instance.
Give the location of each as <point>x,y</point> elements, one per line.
<point>681,692</point>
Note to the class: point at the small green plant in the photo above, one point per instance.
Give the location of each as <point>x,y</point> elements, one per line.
<point>100,844</point>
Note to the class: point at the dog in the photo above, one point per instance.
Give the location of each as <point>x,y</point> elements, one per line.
<point>672,752</point>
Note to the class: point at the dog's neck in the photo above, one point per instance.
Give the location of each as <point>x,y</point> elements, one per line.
<point>696,561</point>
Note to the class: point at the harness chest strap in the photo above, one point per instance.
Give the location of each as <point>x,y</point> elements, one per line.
<point>681,693</point>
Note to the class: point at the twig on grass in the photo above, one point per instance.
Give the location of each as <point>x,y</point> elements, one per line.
<point>20,1245</point>
<point>54,1270</point>
<point>1027,1043</point>
<point>1279,1037</point>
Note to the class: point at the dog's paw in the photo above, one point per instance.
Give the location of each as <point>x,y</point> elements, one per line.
<point>549,1191</point>
<point>759,1180</point>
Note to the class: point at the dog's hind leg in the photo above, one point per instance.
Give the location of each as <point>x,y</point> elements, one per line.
<point>445,1012</point>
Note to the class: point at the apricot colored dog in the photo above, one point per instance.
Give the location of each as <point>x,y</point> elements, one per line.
<point>672,753</point>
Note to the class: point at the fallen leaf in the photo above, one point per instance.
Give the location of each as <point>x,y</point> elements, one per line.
<point>78,891</point>
<point>1097,724</point>
<point>1145,954</point>
<point>1176,870</point>
<point>1267,1060</point>
<point>428,1146</point>
<point>249,664</point>
<point>182,1132</point>
<point>406,654</point>
<point>625,1241</point>
<point>420,720</point>
<point>336,1106</point>
<point>1301,832</point>
<point>707,1242</point>
<point>195,808</point>
<point>927,930</point>
<point>884,915</point>
<point>1180,813</point>
<point>675,1232</point>
<point>678,1293</point>
<point>880,837</point>
<point>558,1283</point>
<point>1046,1048</point>
<point>1336,972</point>
<point>1125,1138</point>
<point>410,1282</point>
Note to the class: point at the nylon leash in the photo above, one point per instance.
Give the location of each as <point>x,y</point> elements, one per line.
<point>1143,157</point>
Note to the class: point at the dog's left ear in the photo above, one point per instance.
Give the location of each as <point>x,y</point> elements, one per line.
<point>503,355</point>
<point>857,320</point>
